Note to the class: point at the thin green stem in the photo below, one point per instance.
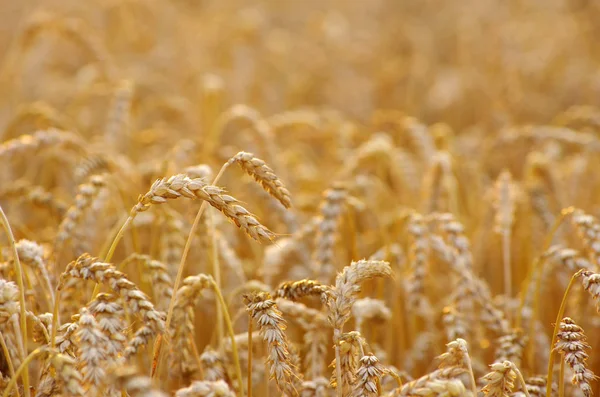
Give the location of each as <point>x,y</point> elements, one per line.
<point>559,316</point>
<point>19,275</point>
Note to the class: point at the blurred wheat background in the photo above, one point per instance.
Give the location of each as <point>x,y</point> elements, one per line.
<point>442,155</point>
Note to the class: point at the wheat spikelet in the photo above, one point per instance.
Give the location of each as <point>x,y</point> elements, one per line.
<point>91,351</point>
<point>65,338</point>
<point>263,309</point>
<point>68,374</point>
<point>368,376</point>
<point>571,343</point>
<point>340,299</point>
<point>591,283</point>
<point>206,389</point>
<point>212,364</point>
<point>455,354</point>
<point>89,268</point>
<point>500,381</point>
<point>162,285</point>
<point>182,186</point>
<point>109,315</point>
<point>351,347</point>
<point>264,175</point>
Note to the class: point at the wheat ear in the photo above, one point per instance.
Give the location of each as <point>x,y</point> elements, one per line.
<point>263,309</point>
<point>571,344</point>
<point>90,268</point>
<point>339,300</point>
<point>264,175</point>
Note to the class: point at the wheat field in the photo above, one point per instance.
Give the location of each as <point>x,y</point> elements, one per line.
<point>299,198</point>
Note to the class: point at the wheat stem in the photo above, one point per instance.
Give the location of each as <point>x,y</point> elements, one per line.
<point>507,272</point>
<point>249,392</point>
<point>19,275</point>
<point>561,379</point>
<point>236,358</point>
<point>9,362</point>
<point>217,274</point>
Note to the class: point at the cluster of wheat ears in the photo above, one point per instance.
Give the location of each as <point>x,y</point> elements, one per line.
<point>185,214</point>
